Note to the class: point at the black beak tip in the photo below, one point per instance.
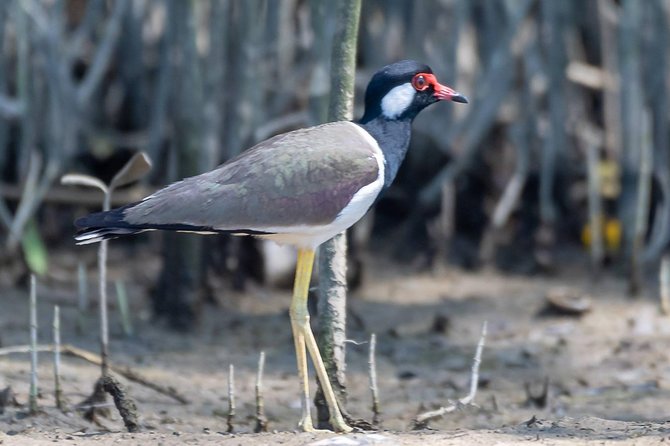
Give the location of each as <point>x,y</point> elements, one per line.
<point>459,98</point>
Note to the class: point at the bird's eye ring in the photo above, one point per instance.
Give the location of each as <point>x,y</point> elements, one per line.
<point>419,82</point>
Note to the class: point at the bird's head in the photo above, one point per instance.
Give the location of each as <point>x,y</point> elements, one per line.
<point>402,89</point>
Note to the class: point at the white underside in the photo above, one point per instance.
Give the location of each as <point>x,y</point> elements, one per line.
<point>308,236</point>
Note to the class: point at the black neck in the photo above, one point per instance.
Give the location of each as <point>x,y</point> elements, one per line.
<point>393,137</point>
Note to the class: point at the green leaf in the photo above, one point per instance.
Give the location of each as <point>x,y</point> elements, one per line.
<point>34,250</point>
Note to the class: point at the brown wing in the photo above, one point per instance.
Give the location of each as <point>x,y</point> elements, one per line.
<point>304,177</point>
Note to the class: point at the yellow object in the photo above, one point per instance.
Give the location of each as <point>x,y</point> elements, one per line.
<point>610,230</point>
<point>304,338</point>
<point>613,233</point>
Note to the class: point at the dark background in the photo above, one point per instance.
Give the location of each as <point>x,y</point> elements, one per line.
<point>567,123</point>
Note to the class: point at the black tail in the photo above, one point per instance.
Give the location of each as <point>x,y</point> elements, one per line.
<point>107,225</point>
<point>101,226</point>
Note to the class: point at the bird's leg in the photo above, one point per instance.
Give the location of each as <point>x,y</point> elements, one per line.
<point>306,418</point>
<point>298,313</point>
<point>336,419</point>
<point>304,337</point>
<point>299,339</point>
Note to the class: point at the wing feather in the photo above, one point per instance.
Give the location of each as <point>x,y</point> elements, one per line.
<point>304,177</point>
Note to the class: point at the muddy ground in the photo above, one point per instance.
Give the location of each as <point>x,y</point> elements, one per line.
<point>608,371</point>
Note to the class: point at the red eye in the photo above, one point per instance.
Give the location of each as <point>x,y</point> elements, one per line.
<point>419,82</point>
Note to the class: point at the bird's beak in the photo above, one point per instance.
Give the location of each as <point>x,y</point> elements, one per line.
<point>444,93</point>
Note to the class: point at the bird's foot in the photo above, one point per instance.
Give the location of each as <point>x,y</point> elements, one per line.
<point>313,430</point>
<point>306,425</point>
<point>340,426</point>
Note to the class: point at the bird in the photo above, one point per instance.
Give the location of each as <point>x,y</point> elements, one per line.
<point>298,188</point>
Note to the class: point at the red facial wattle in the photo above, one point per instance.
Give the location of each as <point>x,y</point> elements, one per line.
<point>423,81</point>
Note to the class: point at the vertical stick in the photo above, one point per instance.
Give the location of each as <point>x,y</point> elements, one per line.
<point>231,398</point>
<point>632,108</point>
<point>612,98</point>
<point>122,299</point>
<point>261,420</point>
<point>372,363</point>
<point>82,296</point>
<point>422,419</point>
<point>33,345</point>
<point>476,361</point>
<point>553,22</point>
<point>333,253</point>
<point>642,202</point>
<point>102,284</point>
<point>58,392</point>
<point>102,271</point>
<point>595,206</point>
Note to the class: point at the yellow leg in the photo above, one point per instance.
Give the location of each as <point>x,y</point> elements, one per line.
<point>303,337</point>
<point>301,356</point>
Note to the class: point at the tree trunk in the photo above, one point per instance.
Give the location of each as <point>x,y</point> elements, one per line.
<point>333,253</point>
<point>180,284</point>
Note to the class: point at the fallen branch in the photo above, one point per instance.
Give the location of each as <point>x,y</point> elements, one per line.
<point>91,357</point>
<point>421,420</point>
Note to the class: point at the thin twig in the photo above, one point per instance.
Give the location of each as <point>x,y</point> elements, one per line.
<point>476,362</point>
<point>102,287</point>
<point>374,389</point>
<point>231,398</point>
<point>92,358</point>
<point>261,419</point>
<point>82,296</point>
<point>33,345</point>
<point>122,299</point>
<point>422,419</point>
<point>58,392</point>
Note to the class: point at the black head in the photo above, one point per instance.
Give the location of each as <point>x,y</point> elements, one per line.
<point>402,89</point>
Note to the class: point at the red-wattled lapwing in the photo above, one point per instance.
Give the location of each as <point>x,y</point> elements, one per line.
<point>300,188</point>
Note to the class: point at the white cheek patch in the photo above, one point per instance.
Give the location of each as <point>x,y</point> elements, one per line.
<point>397,100</point>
